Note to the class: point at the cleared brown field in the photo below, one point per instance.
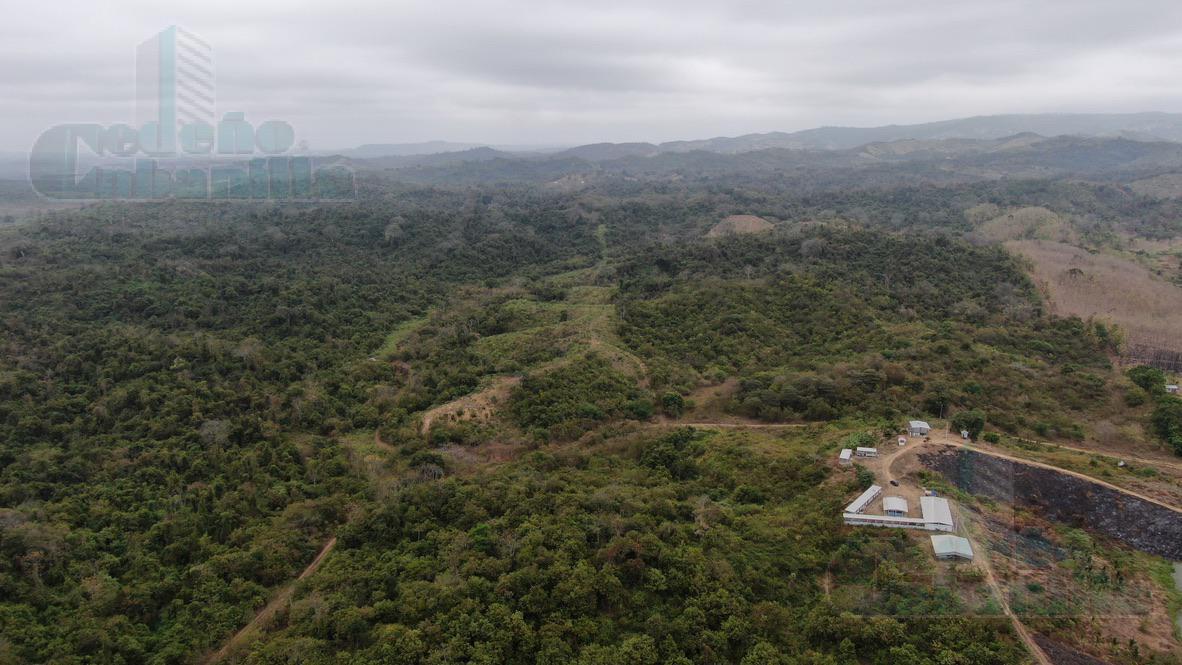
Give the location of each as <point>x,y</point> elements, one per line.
<point>736,224</point>
<point>1076,282</point>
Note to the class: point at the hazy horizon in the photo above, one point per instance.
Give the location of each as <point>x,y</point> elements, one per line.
<point>524,73</point>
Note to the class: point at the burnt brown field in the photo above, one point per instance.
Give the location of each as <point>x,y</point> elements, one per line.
<point>1077,282</point>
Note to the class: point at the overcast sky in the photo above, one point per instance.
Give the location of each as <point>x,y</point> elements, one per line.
<point>347,72</point>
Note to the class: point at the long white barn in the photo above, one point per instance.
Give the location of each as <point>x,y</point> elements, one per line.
<point>937,514</point>
<point>859,504</point>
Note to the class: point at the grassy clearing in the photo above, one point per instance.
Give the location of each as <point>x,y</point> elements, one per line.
<point>1167,574</point>
<point>585,321</point>
<point>1026,223</point>
<point>398,335</point>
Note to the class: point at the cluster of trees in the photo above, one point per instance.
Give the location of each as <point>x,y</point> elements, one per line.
<point>1166,419</point>
<point>677,550</point>
<point>172,384</point>
<point>563,403</point>
<point>830,324</point>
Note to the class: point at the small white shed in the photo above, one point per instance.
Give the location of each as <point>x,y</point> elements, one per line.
<point>895,506</point>
<point>866,452</point>
<point>952,547</point>
<point>918,428</point>
<point>845,457</point>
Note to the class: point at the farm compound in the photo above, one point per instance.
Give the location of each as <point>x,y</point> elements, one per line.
<point>936,514</point>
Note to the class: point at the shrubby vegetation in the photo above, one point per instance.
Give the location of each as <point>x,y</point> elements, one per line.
<point>184,387</point>
<point>172,382</point>
<point>678,550</point>
<point>564,402</point>
<point>1166,419</point>
<point>877,325</point>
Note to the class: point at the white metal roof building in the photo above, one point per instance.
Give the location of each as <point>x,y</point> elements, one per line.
<point>845,455</point>
<point>952,547</point>
<point>895,505</point>
<point>937,515</point>
<point>867,452</point>
<point>936,512</point>
<point>918,428</point>
<point>1172,389</point>
<point>864,500</point>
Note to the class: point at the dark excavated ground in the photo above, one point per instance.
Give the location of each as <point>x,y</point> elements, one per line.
<point>1063,655</point>
<point>1063,498</point>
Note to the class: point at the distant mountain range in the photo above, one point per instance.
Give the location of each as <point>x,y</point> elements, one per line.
<point>1133,126</point>
<point>880,164</point>
<point>372,150</point>
<point>1001,141</point>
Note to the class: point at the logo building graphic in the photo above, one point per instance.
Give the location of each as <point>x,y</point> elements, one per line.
<point>174,87</point>
<point>178,147</point>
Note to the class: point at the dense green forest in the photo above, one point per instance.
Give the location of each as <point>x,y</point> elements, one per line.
<point>183,388</point>
<point>159,379</point>
<point>857,323</point>
<point>665,550</point>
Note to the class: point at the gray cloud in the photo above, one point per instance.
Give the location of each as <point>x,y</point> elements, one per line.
<point>534,71</point>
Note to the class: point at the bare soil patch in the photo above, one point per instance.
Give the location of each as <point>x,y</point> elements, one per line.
<point>1082,599</point>
<point>1064,655</point>
<point>479,406</point>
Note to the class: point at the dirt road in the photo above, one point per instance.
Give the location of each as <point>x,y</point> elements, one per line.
<point>982,553</point>
<point>944,439</point>
<point>1153,462</point>
<point>730,425</point>
<point>250,630</point>
<point>948,440</point>
<point>982,556</point>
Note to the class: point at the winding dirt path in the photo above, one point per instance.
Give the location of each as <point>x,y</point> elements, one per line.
<point>1146,461</point>
<point>979,448</point>
<point>250,630</point>
<point>941,439</point>
<point>730,425</point>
